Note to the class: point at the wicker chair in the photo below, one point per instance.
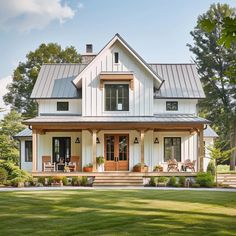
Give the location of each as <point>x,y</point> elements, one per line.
<point>172,165</point>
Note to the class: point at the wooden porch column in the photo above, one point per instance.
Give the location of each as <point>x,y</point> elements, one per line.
<point>200,150</point>
<point>94,149</point>
<point>142,149</point>
<point>34,151</point>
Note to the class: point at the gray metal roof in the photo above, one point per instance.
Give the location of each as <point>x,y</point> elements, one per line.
<point>180,81</point>
<point>55,81</point>
<point>177,118</point>
<point>24,133</point>
<point>210,133</point>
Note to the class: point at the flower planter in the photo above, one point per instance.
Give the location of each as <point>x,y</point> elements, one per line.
<point>159,169</point>
<point>138,169</point>
<point>60,184</point>
<point>88,169</point>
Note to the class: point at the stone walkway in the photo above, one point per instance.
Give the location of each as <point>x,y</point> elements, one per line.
<point>9,189</point>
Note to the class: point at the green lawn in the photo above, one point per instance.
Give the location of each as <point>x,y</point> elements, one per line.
<point>117,212</point>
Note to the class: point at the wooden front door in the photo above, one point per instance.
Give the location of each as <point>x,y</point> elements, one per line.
<point>116,152</point>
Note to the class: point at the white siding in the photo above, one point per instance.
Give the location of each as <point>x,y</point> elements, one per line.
<point>49,106</point>
<point>209,142</point>
<point>24,165</point>
<point>45,145</point>
<point>141,99</point>
<point>185,106</point>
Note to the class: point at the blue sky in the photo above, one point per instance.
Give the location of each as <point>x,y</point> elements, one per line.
<point>157,29</point>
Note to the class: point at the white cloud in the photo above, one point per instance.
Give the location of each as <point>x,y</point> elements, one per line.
<point>25,15</point>
<point>3,85</point>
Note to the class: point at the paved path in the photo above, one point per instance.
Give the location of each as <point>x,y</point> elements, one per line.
<point>115,188</point>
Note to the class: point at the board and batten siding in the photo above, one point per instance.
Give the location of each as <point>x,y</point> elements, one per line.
<point>24,165</point>
<point>141,98</point>
<point>49,106</point>
<point>185,106</point>
<point>45,145</point>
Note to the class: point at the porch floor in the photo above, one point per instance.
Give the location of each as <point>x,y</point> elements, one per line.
<point>115,173</point>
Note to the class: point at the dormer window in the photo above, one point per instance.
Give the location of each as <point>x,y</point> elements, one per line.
<point>172,106</point>
<point>62,106</point>
<point>116,97</point>
<point>116,57</point>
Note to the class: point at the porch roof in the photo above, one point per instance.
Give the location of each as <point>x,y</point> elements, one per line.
<point>158,118</point>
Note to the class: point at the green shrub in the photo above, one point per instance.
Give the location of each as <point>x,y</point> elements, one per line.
<point>182,181</point>
<point>172,181</point>
<point>177,185</point>
<point>41,180</point>
<point>9,166</point>
<point>84,181</point>
<point>3,175</point>
<point>19,176</point>
<point>211,168</point>
<point>205,179</point>
<point>16,181</point>
<point>76,181</point>
<point>65,181</point>
<point>162,179</point>
<point>153,181</point>
<point>57,179</point>
<point>49,181</point>
<point>196,185</point>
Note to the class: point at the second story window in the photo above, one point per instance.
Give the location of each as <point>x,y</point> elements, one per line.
<point>172,106</point>
<point>116,57</point>
<point>116,97</point>
<point>62,106</point>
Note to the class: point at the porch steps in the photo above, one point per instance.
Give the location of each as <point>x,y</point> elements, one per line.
<point>117,181</point>
<point>228,180</point>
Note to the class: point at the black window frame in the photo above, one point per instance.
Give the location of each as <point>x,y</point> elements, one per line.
<point>125,100</point>
<point>54,154</point>
<point>179,138</point>
<point>28,156</point>
<point>116,57</point>
<point>66,108</point>
<point>170,106</point>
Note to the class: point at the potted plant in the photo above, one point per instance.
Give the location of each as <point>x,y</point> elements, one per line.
<point>137,168</point>
<point>66,169</point>
<point>88,168</point>
<point>158,168</point>
<point>57,181</point>
<point>100,163</point>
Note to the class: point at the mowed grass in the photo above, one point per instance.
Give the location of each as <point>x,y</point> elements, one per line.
<point>117,212</point>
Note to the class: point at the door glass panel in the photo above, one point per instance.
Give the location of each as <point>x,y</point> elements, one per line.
<point>61,149</point>
<point>123,148</point>
<point>110,148</point>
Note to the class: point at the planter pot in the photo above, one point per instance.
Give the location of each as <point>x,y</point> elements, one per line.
<point>20,185</point>
<point>57,184</point>
<point>100,168</point>
<point>159,170</point>
<point>138,169</point>
<point>87,169</point>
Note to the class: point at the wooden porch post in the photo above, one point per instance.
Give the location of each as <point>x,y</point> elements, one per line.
<point>142,149</point>
<point>94,149</point>
<point>200,150</point>
<point>34,151</point>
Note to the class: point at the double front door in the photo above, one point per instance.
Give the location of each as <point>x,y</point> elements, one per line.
<point>116,152</point>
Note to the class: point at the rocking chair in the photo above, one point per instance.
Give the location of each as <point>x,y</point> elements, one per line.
<point>172,164</point>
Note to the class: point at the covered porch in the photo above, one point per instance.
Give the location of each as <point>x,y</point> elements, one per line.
<point>145,144</point>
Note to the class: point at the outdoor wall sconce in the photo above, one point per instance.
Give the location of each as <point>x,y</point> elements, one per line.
<point>136,140</point>
<point>77,140</point>
<point>98,141</point>
<point>156,141</point>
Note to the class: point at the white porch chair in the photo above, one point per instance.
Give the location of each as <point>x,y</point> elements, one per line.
<point>49,167</point>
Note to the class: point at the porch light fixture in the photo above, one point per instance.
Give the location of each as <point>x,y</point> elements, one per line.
<point>156,141</point>
<point>136,140</point>
<point>98,141</point>
<point>77,140</point>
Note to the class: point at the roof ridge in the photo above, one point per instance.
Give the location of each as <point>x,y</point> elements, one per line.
<point>185,63</point>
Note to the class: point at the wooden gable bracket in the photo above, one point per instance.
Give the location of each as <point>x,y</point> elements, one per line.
<point>117,77</point>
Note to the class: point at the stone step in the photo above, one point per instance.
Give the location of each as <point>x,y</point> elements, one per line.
<point>118,177</point>
<point>118,181</point>
<point>117,184</point>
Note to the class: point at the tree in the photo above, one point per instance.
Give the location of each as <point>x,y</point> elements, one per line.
<point>10,126</point>
<point>26,73</point>
<point>215,60</point>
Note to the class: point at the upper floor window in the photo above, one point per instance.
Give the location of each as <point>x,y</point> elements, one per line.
<point>172,148</point>
<point>28,151</point>
<point>117,97</point>
<point>172,106</point>
<point>116,57</point>
<point>62,106</point>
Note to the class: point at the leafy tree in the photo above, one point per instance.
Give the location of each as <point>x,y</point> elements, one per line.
<point>26,73</point>
<point>10,126</point>
<point>215,57</point>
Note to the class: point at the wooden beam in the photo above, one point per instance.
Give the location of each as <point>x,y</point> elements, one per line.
<point>142,132</point>
<point>94,149</point>
<point>34,151</point>
<point>200,150</point>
